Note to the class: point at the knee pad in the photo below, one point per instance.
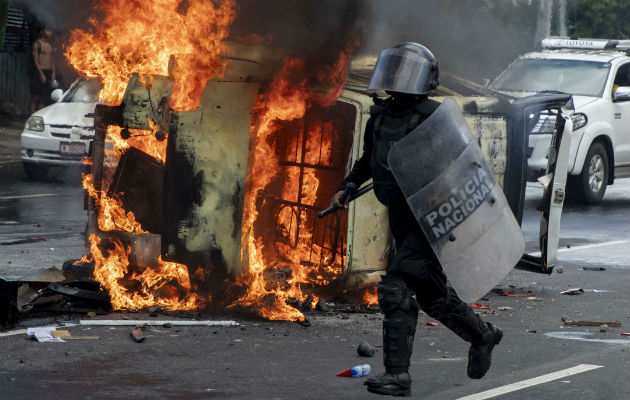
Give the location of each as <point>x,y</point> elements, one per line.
<point>393,295</point>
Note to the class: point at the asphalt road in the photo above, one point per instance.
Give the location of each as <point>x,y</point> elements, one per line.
<point>539,357</point>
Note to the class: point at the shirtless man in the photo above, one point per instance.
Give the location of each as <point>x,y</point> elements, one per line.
<point>44,71</point>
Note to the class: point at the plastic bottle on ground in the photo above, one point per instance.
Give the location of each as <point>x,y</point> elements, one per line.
<point>360,370</point>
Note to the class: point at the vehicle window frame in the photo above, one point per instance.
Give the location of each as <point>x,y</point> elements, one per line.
<point>625,63</point>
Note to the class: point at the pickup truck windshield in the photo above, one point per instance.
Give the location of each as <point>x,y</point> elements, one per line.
<point>581,78</point>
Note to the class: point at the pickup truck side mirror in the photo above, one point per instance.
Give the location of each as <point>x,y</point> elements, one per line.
<point>56,95</point>
<point>622,94</point>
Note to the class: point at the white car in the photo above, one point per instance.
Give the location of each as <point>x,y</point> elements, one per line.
<point>60,134</point>
<point>597,74</point>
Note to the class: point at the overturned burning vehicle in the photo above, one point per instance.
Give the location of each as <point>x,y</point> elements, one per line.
<point>216,205</point>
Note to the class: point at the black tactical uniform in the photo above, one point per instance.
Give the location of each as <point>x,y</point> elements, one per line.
<point>415,278</point>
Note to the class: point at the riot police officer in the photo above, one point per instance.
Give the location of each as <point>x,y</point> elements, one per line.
<point>415,279</point>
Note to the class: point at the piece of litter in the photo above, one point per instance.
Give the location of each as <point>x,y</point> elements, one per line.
<point>625,333</point>
<point>63,334</point>
<point>345,373</point>
<point>137,335</point>
<point>531,331</point>
<point>131,322</point>
<point>504,308</point>
<point>512,294</point>
<point>431,323</point>
<point>590,323</point>
<point>594,268</point>
<point>573,291</point>
<point>43,334</point>
<point>31,239</point>
<point>479,306</point>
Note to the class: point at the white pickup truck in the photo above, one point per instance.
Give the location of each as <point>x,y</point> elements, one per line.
<point>597,73</point>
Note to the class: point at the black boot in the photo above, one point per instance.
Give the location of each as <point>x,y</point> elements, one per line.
<point>399,328</point>
<point>483,336</point>
<point>480,354</point>
<point>390,384</point>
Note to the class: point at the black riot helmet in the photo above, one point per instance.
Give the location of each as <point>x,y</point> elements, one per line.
<point>405,68</point>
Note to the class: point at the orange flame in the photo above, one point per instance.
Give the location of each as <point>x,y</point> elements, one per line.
<point>111,214</point>
<point>370,296</point>
<point>288,97</point>
<point>156,37</point>
<point>141,36</point>
<point>159,286</point>
<point>159,37</point>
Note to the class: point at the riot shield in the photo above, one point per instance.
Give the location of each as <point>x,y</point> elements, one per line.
<point>458,204</point>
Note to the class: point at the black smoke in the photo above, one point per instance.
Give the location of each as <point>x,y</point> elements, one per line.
<point>467,38</point>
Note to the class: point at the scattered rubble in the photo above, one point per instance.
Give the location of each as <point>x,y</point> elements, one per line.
<point>66,335</point>
<point>510,293</point>
<point>567,321</point>
<point>137,334</point>
<point>573,291</point>
<point>49,290</point>
<point>43,334</point>
<point>165,323</point>
<point>30,239</point>
<point>365,350</point>
<point>479,306</point>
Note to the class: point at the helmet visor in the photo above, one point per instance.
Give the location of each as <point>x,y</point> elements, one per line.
<point>400,70</point>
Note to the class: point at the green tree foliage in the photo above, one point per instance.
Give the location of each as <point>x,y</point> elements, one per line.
<point>607,19</point>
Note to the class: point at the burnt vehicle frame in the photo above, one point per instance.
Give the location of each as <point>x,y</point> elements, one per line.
<point>208,153</point>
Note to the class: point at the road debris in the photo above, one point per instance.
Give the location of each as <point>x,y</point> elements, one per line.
<point>137,334</point>
<point>431,323</point>
<point>594,268</point>
<point>625,333</point>
<point>365,350</point>
<point>573,291</point>
<point>356,372</point>
<point>66,335</point>
<point>479,306</point>
<point>567,321</point>
<point>512,294</point>
<point>131,322</point>
<point>505,308</point>
<point>31,239</point>
<point>43,334</point>
<point>321,305</point>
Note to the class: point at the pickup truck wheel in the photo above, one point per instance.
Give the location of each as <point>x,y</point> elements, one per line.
<point>34,171</point>
<point>594,177</point>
